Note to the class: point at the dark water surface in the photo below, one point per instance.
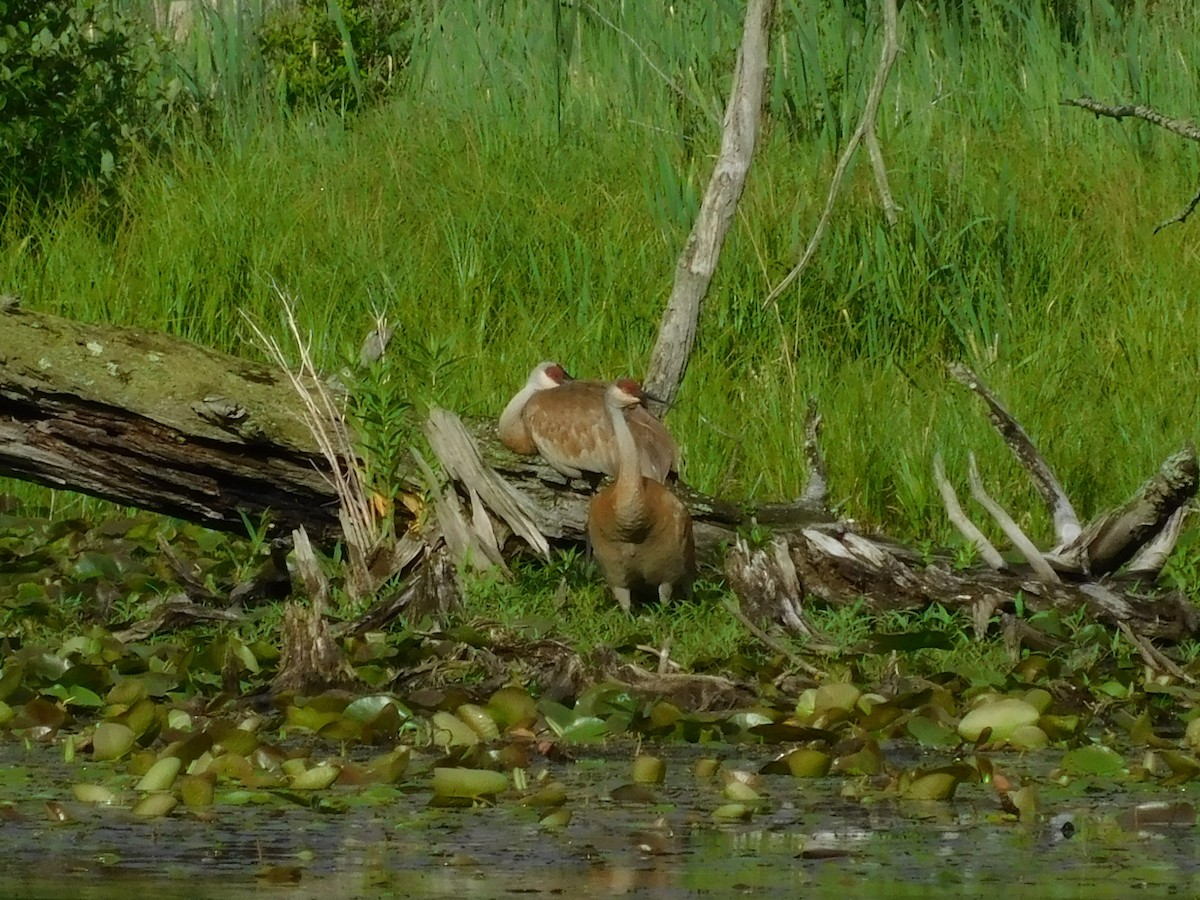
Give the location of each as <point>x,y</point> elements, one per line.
<point>816,837</point>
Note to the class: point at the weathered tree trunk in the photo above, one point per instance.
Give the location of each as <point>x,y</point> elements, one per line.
<point>698,261</point>
<point>151,421</point>
<point>156,422</point>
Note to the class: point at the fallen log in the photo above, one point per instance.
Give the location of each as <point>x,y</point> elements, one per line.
<point>155,422</point>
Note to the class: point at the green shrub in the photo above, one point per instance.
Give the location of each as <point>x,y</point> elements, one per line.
<point>80,85</point>
<point>345,52</point>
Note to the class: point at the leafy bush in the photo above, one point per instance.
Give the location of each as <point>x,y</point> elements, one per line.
<point>80,84</point>
<point>335,51</point>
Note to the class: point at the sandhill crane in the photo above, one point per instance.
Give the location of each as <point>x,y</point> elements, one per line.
<point>514,432</point>
<point>640,532</point>
<point>564,420</point>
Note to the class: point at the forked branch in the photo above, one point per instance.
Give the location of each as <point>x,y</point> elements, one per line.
<point>1066,520</point>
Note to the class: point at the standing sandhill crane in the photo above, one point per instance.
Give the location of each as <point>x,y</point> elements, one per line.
<point>641,534</point>
<point>564,420</point>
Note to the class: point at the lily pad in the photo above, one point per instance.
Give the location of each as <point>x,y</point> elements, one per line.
<point>112,740</point>
<point>467,783</point>
<point>1003,717</point>
<point>1094,759</point>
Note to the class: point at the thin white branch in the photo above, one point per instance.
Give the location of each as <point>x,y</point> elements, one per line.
<point>1066,520</point>
<point>960,520</point>
<point>864,131</point>
<point>1010,528</point>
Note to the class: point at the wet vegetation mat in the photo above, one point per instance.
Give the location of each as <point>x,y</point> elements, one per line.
<point>150,750</point>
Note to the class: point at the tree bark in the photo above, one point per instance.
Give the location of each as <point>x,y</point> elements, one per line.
<point>147,420</point>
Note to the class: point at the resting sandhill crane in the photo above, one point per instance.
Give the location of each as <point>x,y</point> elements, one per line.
<point>641,534</point>
<point>564,420</point>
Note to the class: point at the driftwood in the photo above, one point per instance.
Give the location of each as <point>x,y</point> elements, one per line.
<point>147,420</point>
<point>1107,567</point>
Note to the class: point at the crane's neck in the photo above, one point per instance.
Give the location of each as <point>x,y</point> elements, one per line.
<point>512,427</point>
<point>629,469</point>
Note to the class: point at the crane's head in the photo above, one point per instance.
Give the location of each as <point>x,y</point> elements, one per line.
<point>625,392</point>
<point>546,375</point>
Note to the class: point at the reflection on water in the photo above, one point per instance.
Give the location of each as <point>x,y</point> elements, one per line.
<point>810,840</point>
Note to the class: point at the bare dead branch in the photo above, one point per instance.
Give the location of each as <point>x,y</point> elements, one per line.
<point>1066,520</point>
<point>959,519</point>
<point>1181,216</point>
<point>1181,127</point>
<point>770,642</point>
<point>1112,539</point>
<point>1153,556</point>
<point>1153,657</point>
<point>460,456</point>
<point>698,261</point>
<point>864,131</point>
<point>1011,529</point>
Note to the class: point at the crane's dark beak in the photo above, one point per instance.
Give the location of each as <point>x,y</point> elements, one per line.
<point>646,395</point>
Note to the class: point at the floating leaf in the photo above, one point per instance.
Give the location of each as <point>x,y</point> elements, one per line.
<point>732,812</point>
<point>809,763</point>
<point>1094,759</point>
<point>1025,802</point>
<point>1039,699</point>
<point>1003,717</point>
<point>315,779</point>
<point>112,740</point>
<point>468,783</point>
<point>451,731</point>
<point>364,709</point>
<point>559,818</point>
<point>552,795</point>
<point>586,729</point>
<point>512,707</point>
<point>154,806</point>
<point>1028,737</point>
<point>648,769</point>
<point>479,721</point>
<point>161,775</point>
<point>196,791</point>
<point>937,785</point>
<point>930,733</point>
<point>94,793</point>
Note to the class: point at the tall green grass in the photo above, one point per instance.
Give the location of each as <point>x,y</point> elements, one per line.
<point>526,192</point>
